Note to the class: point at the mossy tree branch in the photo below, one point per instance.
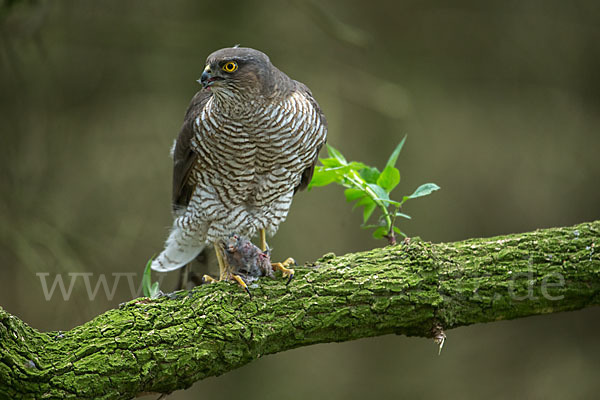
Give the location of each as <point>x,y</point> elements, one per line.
<point>417,289</point>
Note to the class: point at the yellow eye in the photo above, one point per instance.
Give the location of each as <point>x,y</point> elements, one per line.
<point>230,66</point>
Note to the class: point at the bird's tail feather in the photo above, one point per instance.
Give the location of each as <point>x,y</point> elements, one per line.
<point>178,251</point>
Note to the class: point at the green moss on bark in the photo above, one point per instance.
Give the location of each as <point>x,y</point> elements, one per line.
<point>414,289</point>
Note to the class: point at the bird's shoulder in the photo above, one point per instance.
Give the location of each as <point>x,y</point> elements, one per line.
<point>184,157</point>
<point>307,95</point>
<point>319,129</point>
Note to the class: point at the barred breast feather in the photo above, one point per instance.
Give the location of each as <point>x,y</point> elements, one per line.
<point>247,170</point>
<point>242,158</point>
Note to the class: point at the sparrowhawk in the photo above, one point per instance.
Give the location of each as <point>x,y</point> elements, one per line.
<point>249,141</point>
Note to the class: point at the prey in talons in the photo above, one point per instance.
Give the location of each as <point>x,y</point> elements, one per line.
<point>242,261</point>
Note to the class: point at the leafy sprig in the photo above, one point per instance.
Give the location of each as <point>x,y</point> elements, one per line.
<point>370,189</point>
<point>150,289</point>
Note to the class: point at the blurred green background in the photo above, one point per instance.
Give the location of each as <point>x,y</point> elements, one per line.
<point>500,101</point>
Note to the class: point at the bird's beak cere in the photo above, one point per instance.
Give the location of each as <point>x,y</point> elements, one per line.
<point>207,79</point>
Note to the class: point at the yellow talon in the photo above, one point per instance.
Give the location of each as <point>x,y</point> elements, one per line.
<point>208,279</point>
<point>237,278</point>
<point>241,282</point>
<point>283,267</point>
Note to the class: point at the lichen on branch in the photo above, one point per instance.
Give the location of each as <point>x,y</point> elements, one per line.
<point>415,288</point>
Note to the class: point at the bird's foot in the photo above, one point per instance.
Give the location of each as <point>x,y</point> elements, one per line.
<point>283,267</point>
<point>234,277</point>
<point>241,282</point>
<point>208,279</point>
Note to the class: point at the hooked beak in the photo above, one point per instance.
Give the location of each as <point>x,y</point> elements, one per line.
<point>206,79</point>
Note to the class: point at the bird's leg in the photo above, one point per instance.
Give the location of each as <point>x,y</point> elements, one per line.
<point>224,271</point>
<point>263,240</point>
<point>223,267</point>
<point>283,267</point>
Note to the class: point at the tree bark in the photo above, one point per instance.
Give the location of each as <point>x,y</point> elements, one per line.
<point>415,288</point>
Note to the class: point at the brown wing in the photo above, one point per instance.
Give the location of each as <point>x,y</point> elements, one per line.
<point>184,156</point>
<point>308,172</point>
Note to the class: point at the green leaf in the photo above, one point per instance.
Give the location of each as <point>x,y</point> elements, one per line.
<point>150,289</point>
<point>333,152</point>
<point>363,226</point>
<point>394,156</point>
<point>356,166</point>
<point>154,290</point>
<point>369,174</point>
<point>365,201</point>
<point>380,192</point>
<point>424,190</point>
<point>323,177</point>
<point>389,178</point>
<point>369,208</point>
<point>395,203</point>
<point>399,214</point>
<point>353,194</point>
<point>147,279</point>
<point>380,232</point>
<point>398,231</point>
<point>330,162</point>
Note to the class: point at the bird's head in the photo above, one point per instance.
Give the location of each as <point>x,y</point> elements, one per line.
<point>238,69</point>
